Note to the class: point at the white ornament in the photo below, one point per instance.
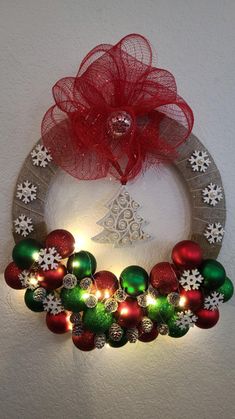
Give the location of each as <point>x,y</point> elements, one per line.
<point>85,283</point>
<point>186,319</point>
<point>212,194</point>
<point>39,294</point>
<point>100,341</point>
<point>122,225</point>
<point>26,192</point>
<point>52,304</point>
<point>191,279</point>
<point>41,156</point>
<point>48,258</point>
<point>23,225</point>
<point>28,280</point>
<point>143,300</point>
<point>147,325</point>
<point>132,335</point>
<point>199,161</point>
<point>213,301</point>
<point>111,305</point>
<point>91,301</point>
<point>214,233</point>
<point>120,295</point>
<point>69,281</point>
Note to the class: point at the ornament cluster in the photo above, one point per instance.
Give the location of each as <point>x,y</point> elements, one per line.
<point>99,309</point>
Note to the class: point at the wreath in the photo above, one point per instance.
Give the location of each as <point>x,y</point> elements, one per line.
<point>119,116</point>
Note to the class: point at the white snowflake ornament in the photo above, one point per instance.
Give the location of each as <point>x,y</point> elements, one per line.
<point>213,301</point>
<point>214,233</point>
<point>212,194</point>
<point>191,279</point>
<point>41,156</point>
<point>23,225</point>
<point>52,304</point>
<point>28,280</point>
<point>48,258</point>
<point>199,161</point>
<point>26,192</point>
<point>186,319</point>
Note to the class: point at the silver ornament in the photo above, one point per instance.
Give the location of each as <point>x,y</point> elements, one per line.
<point>115,332</point>
<point>91,301</point>
<point>147,325</point>
<point>70,281</point>
<point>100,340</point>
<point>163,329</point>
<point>132,335</point>
<point>119,123</point>
<point>77,329</point>
<point>173,298</point>
<point>143,300</point>
<point>75,318</point>
<point>39,294</point>
<point>120,295</point>
<point>111,305</point>
<point>85,283</point>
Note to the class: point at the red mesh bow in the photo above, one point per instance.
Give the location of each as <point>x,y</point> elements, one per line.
<point>113,79</point>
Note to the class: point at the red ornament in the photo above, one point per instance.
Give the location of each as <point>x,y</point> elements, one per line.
<point>163,277</point>
<point>105,284</point>
<point>148,337</point>
<point>129,314</point>
<point>187,254</point>
<point>85,342</point>
<point>11,275</point>
<point>63,241</point>
<point>207,318</point>
<point>53,278</point>
<point>192,300</point>
<point>58,323</point>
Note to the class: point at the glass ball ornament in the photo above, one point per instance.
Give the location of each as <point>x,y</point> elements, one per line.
<point>207,318</point>
<point>134,280</point>
<point>161,310</point>
<point>163,277</point>
<point>226,289</point>
<point>81,264</point>
<point>53,278</point>
<point>73,299</point>
<point>119,123</point>
<point>191,300</point>
<point>129,314</point>
<point>174,330</point>
<point>58,323</point>
<point>105,284</point>
<point>11,276</point>
<point>97,319</point>
<point>85,341</point>
<point>100,340</point>
<point>213,273</point>
<point>187,254</point>
<point>26,253</point>
<point>115,332</point>
<point>31,303</point>
<point>132,335</point>
<point>70,281</point>
<point>62,240</point>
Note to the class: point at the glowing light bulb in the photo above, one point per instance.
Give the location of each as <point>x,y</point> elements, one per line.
<point>124,311</point>
<point>79,242</point>
<point>182,301</point>
<point>106,294</point>
<point>150,299</point>
<point>33,281</point>
<point>75,264</point>
<point>98,294</point>
<point>85,296</point>
<point>35,256</point>
<point>70,325</point>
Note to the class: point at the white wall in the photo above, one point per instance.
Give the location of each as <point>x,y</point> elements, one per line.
<point>43,375</point>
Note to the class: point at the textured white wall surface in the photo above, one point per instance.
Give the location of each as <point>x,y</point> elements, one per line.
<point>43,375</point>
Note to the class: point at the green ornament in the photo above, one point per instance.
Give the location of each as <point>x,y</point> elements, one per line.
<point>226,289</point>
<point>213,273</point>
<point>25,253</point>
<point>161,310</point>
<point>81,264</point>
<point>174,330</point>
<point>31,303</point>
<point>134,280</point>
<point>73,299</point>
<point>118,344</point>
<point>97,319</point>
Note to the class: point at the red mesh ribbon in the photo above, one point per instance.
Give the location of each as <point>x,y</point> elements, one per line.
<point>111,78</point>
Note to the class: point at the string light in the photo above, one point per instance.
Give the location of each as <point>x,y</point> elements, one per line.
<point>182,301</point>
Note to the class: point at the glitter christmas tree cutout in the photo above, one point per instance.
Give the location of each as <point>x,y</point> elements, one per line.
<point>122,225</point>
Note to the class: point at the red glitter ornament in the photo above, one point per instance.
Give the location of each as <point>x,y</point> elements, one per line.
<point>85,341</point>
<point>63,241</point>
<point>148,337</point>
<point>163,277</point>
<point>58,323</point>
<point>11,276</point>
<point>105,284</point>
<point>129,314</point>
<point>187,254</point>
<point>207,318</point>
<point>53,278</point>
<point>191,300</point>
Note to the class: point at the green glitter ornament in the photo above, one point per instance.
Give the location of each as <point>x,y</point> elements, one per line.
<point>213,273</point>
<point>25,253</point>
<point>97,319</point>
<point>161,310</point>
<point>174,330</point>
<point>118,344</point>
<point>81,264</point>
<point>134,280</point>
<point>226,289</point>
<point>73,299</point>
<point>31,303</point>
